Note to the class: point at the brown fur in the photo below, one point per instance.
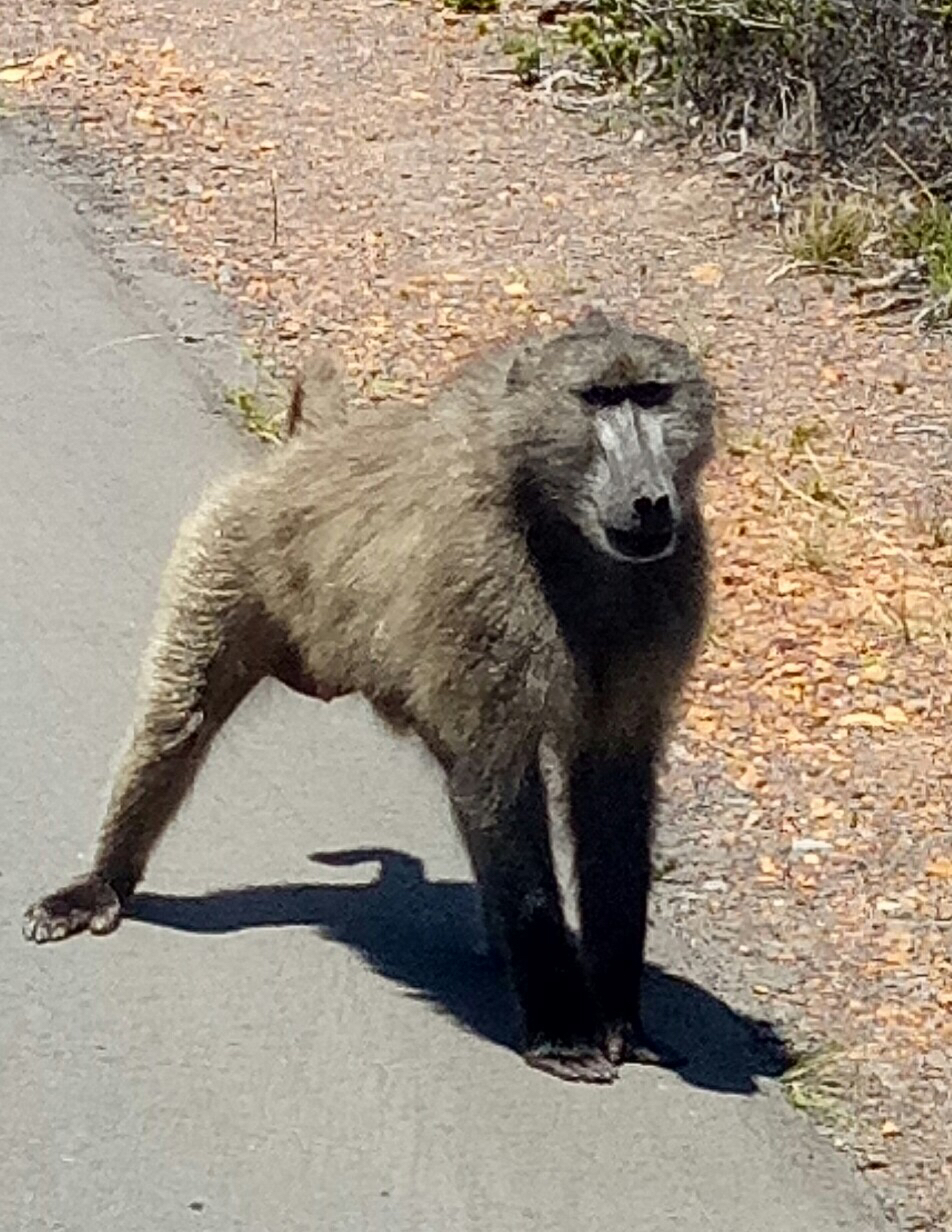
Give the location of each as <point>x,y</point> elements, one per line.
<point>415,558</point>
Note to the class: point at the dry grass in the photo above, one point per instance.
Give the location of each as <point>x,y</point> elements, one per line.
<point>829,232</point>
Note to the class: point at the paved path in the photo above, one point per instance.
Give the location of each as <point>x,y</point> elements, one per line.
<point>324,1048</point>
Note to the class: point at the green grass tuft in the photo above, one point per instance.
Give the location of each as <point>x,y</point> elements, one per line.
<point>257,419</point>
<point>830,232</point>
<point>473,6</point>
<point>927,234</point>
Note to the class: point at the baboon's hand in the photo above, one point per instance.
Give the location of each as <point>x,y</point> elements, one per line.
<point>88,903</point>
<point>573,1063</point>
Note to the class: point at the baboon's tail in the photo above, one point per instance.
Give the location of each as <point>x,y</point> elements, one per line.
<point>318,394</point>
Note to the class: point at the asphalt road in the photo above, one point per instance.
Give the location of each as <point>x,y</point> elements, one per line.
<point>299,1031</point>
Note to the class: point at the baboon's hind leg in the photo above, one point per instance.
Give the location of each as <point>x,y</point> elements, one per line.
<point>211,645</point>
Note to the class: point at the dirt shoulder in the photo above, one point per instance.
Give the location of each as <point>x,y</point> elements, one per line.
<point>358,172</point>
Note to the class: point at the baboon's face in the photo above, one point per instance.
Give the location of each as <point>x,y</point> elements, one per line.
<point>628,422</point>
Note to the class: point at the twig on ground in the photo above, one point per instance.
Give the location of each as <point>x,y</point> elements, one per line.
<point>887,282</point>
<point>569,76</point>
<point>487,74</point>
<point>936,310</point>
<point>792,488</point>
<point>117,342</point>
<point>791,267</point>
<point>911,172</point>
<point>892,304</point>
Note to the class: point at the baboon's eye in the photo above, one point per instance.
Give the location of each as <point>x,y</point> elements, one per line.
<point>643,393</point>
<point>650,393</point>
<point>601,396</point>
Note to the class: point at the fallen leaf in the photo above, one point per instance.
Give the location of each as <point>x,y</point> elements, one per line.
<point>750,778</point>
<point>707,275</point>
<point>862,718</point>
<point>146,116</point>
<point>940,867</point>
<point>51,59</point>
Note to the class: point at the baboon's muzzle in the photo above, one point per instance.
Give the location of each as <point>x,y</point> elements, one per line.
<point>651,533</point>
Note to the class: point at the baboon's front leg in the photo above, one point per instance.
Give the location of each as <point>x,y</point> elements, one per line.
<point>612,805</point>
<point>508,842</point>
<point>209,648</point>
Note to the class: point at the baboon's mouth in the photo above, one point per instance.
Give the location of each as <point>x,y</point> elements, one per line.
<point>640,545</point>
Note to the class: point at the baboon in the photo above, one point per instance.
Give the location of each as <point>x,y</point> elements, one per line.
<point>520,566</point>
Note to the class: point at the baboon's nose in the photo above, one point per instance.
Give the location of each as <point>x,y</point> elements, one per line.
<point>655,517</point>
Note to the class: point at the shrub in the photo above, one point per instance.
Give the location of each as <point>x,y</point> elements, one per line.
<point>830,78</point>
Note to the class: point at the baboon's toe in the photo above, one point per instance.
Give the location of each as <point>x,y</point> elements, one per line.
<point>629,1045</point>
<point>572,1064</point>
<point>89,903</point>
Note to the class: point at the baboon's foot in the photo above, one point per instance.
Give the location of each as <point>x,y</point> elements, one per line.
<point>627,1044</point>
<point>88,903</point>
<point>572,1062</point>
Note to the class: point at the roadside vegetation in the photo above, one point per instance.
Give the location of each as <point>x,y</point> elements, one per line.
<point>839,110</point>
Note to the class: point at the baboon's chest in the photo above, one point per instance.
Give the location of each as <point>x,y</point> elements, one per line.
<point>616,619</point>
<point>619,633</point>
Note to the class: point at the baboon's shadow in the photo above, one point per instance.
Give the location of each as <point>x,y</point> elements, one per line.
<point>428,937</point>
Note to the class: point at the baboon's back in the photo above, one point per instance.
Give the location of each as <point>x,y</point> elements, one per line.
<point>387,550</point>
